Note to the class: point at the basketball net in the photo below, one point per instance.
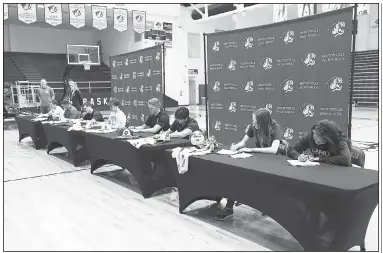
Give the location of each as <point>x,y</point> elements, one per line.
<point>86,65</point>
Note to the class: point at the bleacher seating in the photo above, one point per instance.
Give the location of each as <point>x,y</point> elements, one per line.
<point>35,66</point>
<point>11,72</point>
<point>366,77</point>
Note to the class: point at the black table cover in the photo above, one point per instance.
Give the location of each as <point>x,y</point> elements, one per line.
<point>326,207</point>
<point>35,130</point>
<point>147,164</point>
<point>73,141</point>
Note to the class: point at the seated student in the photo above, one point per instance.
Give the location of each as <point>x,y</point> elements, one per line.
<point>156,122</point>
<point>56,111</point>
<point>91,114</point>
<point>325,143</point>
<point>70,111</point>
<point>117,118</point>
<point>183,126</point>
<point>267,136</point>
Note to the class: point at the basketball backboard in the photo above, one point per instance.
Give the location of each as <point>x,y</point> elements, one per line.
<point>80,54</point>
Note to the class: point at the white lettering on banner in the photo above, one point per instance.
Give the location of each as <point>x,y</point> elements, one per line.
<point>310,33</point>
<point>215,66</point>
<point>287,85</point>
<point>266,86</point>
<point>288,133</point>
<point>149,88</point>
<point>265,40</point>
<point>27,13</point>
<point>309,59</point>
<point>156,72</point>
<point>331,111</point>
<point>133,61</point>
<point>309,85</point>
<point>120,90</point>
<point>119,63</point>
<point>286,62</point>
<point>134,117</point>
<point>286,110</point>
<point>247,108</point>
<point>230,44</point>
<point>141,103</point>
<point>249,42</point>
<point>114,77</point>
<point>308,110</point>
<point>230,86</point>
<point>335,83</point>
<point>333,57</point>
<point>77,15</point>
<point>99,101</point>
<point>133,89</point>
<point>126,76</point>
<point>337,28</point>
<point>231,127</point>
<point>105,101</point>
<point>53,14</point>
<point>246,65</point>
<point>217,106</point>
<point>248,86</point>
<point>140,74</point>
<point>148,58</point>
<point>99,17</point>
<point>288,37</point>
<point>216,86</point>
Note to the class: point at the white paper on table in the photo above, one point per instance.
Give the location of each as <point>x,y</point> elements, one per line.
<point>305,164</point>
<point>227,152</point>
<point>241,156</point>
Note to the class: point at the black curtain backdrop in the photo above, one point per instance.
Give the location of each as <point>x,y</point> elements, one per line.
<point>298,69</point>
<point>136,78</point>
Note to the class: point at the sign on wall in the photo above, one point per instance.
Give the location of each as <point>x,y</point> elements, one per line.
<point>299,71</point>
<point>160,32</point>
<point>120,17</point>
<point>280,12</point>
<point>363,9</point>
<point>5,11</point>
<point>53,14</point>
<point>136,78</point>
<point>305,10</point>
<point>77,15</point>
<point>27,13</point>
<point>139,21</point>
<point>99,17</point>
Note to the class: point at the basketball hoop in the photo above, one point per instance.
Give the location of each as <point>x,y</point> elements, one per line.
<point>86,65</point>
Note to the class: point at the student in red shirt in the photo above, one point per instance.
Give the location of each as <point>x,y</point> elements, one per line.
<point>325,143</point>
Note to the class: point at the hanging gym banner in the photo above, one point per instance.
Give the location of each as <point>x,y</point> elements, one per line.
<point>5,11</point>
<point>53,14</point>
<point>280,12</point>
<point>137,77</point>
<point>120,17</point>
<point>299,70</point>
<point>27,13</point>
<point>305,10</point>
<point>99,17</point>
<point>139,21</point>
<point>77,15</point>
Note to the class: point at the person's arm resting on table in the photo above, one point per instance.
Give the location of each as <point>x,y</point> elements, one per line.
<point>343,159</point>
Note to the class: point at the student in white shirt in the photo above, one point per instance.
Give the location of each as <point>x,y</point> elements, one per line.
<point>56,111</point>
<point>117,118</point>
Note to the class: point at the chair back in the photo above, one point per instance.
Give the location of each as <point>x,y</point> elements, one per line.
<point>358,156</point>
<point>283,147</point>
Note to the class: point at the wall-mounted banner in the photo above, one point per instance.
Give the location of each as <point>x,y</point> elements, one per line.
<point>305,10</point>
<point>77,15</point>
<point>280,12</point>
<point>363,9</point>
<point>5,11</point>
<point>27,13</point>
<point>139,21</point>
<point>120,17</point>
<point>99,17</point>
<point>298,70</point>
<point>53,14</point>
<point>333,7</point>
<point>159,32</point>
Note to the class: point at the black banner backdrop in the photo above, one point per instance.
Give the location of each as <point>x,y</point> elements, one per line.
<point>298,69</point>
<point>136,78</point>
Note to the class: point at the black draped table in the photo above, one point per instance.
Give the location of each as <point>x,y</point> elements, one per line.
<point>35,130</point>
<point>325,208</point>
<point>147,164</point>
<point>58,136</point>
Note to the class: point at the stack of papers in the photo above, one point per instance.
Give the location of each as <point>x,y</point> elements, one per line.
<point>303,164</point>
<point>227,152</point>
<point>241,156</point>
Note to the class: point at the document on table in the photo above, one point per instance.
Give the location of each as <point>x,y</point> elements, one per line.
<point>302,164</point>
<point>241,156</point>
<point>227,152</point>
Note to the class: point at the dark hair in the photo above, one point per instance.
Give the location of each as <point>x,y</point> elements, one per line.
<point>87,104</point>
<point>331,132</point>
<point>65,102</point>
<point>182,113</point>
<point>266,125</point>
<point>54,102</point>
<point>114,101</point>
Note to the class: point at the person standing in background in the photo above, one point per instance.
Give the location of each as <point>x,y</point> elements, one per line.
<point>46,95</point>
<point>75,95</point>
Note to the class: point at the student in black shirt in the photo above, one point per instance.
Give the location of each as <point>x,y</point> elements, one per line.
<point>91,114</point>
<point>325,143</point>
<point>156,122</point>
<point>183,126</point>
<point>267,136</point>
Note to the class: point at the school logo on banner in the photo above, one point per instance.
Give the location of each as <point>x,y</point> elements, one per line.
<point>231,65</point>
<point>148,73</point>
<point>309,59</point>
<point>134,74</point>
<point>249,86</point>
<point>142,117</point>
<point>5,11</point>
<point>215,46</point>
<point>288,85</point>
<point>114,64</point>
<point>288,133</point>
<point>216,86</point>
<point>288,37</point>
<point>128,116</point>
<point>53,14</point>
<point>335,83</point>
<point>217,125</point>
<point>141,59</point>
<point>27,13</point>
<point>232,106</point>
<point>122,103</point>
<point>127,89</point>
<point>139,21</point>
<point>135,103</point>
<point>142,88</point>
<point>249,42</point>
<point>308,110</point>
<point>158,87</point>
<point>99,17</point>
<point>120,19</point>
<point>267,63</point>
<point>158,56</point>
<point>126,62</point>
<point>269,107</point>
<point>121,76</point>
<point>77,15</point>
<point>115,89</point>
<point>337,28</point>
